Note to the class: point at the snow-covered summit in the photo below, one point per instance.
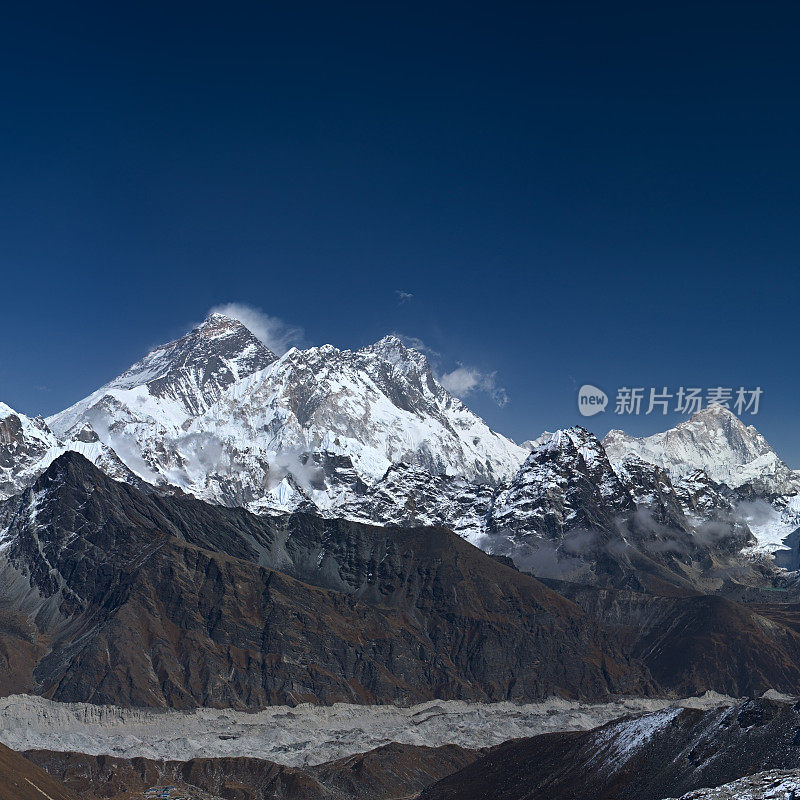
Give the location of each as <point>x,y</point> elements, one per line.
<point>379,406</point>
<point>565,483</point>
<point>219,415</point>
<point>175,381</point>
<point>532,444</point>
<point>716,441</point>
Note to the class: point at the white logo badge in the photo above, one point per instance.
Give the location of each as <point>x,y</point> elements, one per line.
<point>591,400</point>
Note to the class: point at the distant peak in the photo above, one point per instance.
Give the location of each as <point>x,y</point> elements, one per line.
<point>575,437</point>
<point>390,340</point>
<point>215,316</point>
<point>391,348</point>
<point>715,412</point>
<point>543,438</point>
<point>407,360</point>
<point>388,344</point>
<point>555,441</point>
<point>576,432</point>
<point>217,320</point>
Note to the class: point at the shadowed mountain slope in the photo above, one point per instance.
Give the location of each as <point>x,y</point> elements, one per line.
<point>21,779</point>
<point>111,595</point>
<point>649,757</point>
<point>386,773</point>
<point>695,642</point>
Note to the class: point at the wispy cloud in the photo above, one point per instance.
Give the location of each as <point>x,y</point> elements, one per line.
<point>277,335</point>
<point>417,344</point>
<point>403,297</point>
<point>464,380</point>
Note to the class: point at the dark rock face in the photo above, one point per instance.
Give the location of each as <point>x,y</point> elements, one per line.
<point>697,493</point>
<point>568,515</point>
<point>698,642</point>
<point>651,488</point>
<point>134,599</point>
<point>659,755</point>
<point>565,484</point>
<point>386,773</point>
<point>23,444</point>
<point>10,439</point>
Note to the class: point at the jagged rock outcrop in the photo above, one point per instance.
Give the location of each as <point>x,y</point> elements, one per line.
<point>565,484</point>
<point>700,497</point>
<point>652,489</point>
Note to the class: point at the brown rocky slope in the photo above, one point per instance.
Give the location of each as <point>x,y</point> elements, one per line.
<point>21,779</point>
<point>650,757</point>
<point>111,595</point>
<point>386,773</point>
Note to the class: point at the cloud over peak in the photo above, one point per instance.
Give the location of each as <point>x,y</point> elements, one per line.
<point>273,332</point>
<point>463,381</point>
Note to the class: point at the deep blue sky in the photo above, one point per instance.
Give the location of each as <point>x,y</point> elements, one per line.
<point>601,193</point>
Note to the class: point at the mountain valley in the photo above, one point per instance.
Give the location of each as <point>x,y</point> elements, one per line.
<point>224,528</point>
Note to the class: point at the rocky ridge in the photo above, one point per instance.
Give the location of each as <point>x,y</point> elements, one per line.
<point>204,605</point>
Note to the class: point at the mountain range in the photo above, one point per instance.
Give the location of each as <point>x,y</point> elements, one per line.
<point>115,595</point>
<point>223,527</point>
<point>372,436</point>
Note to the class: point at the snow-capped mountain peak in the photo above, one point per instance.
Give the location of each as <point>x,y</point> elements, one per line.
<point>175,381</point>
<point>27,446</point>
<point>392,350</point>
<point>716,441</point>
<point>378,406</point>
<point>532,444</point>
<point>566,482</point>
<point>217,414</point>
